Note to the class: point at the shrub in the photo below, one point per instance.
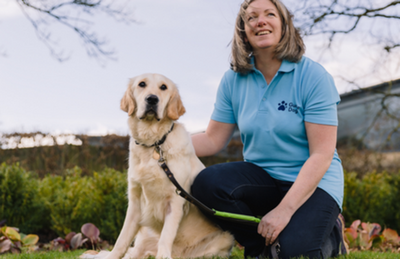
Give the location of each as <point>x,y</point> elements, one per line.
<point>74,200</point>
<point>20,204</point>
<point>373,198</point>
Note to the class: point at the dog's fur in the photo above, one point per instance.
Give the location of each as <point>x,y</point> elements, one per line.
<point>161,223</point>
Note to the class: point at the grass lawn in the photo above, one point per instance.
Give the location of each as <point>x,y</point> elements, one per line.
<point>235,255</point>
<point>44,255</point>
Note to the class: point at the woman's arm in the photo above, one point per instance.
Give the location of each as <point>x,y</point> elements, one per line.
<point>214,139</point>
<point>322,143</point>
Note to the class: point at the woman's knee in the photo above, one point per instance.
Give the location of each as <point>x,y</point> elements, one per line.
<point>205,184</point>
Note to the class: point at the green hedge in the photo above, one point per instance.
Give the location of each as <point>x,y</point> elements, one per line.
<point>373,198</point>
<point>20,202</point>
<point>64,203</point>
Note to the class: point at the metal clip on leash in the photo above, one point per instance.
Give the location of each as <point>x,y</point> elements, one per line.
<point>160,159</point>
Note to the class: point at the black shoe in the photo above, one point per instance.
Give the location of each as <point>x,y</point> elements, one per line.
<point>343,246</point>
<point>271,251</point>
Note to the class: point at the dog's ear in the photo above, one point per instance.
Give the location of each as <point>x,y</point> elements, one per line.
<point>127,101</point>
<point>175,107</point>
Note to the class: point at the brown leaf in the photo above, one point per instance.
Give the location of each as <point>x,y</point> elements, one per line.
<point>69,237</point>
<point>77,241</point>
<point>390,235</point>
<point>5,245</point>
<point>364,239</point>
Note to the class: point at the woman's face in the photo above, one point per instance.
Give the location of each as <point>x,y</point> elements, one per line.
<point>263,25</point>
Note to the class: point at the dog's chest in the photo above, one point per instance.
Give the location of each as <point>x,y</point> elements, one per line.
<point>148,173</point>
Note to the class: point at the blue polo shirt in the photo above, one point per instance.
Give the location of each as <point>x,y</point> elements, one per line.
<point>271,118</point>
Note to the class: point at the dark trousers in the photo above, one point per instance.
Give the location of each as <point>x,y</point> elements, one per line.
<point>244,188</point>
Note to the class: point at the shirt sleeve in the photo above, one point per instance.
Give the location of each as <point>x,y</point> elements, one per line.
<point>321,102</point>
<point>223,109</point>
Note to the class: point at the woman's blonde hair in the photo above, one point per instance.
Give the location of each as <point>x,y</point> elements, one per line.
<point>290,47</point>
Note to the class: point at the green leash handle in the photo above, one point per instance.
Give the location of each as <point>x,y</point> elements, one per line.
<point>236,216</point>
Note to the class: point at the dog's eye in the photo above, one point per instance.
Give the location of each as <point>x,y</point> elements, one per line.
<point>142,84</point>
<point>163,87</point>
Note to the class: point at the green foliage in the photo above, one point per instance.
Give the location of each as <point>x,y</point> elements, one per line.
<point>20,203</point>
<point>373,198</point>
<point>74,200</point>
<point>62,204</point>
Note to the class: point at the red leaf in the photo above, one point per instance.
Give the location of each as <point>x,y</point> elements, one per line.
<point>352,232</point>
<point>371,228</point>
<point>91,231</point>
<point>375,230</point>
<point>355,224</point>
<point>59,240</point>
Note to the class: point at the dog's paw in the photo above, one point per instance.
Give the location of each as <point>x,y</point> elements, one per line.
<point>163,256</point>
<point>91,254</point>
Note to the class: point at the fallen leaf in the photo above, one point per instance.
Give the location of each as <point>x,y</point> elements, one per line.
<point>390,235</point>
<point>5,245</point>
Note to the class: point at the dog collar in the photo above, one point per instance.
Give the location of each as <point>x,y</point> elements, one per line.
<point>160,142</point>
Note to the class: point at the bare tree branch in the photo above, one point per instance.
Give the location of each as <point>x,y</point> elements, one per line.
<point>68,14</point>
<point>323,18</point>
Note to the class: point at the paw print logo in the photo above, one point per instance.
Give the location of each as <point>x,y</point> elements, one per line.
<point>282,106</point>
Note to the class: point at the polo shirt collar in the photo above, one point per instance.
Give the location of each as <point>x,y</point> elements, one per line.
<point>286,65</point>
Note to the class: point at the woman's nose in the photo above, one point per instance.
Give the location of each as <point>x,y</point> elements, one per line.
<point>261,21</point>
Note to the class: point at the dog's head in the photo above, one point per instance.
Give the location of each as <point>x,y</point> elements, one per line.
<point>152,97</point>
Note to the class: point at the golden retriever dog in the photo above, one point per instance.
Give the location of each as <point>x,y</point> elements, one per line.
<point>158,221</point>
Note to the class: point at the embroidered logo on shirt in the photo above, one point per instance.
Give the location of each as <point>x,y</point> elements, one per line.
<point>282,106</point>
<point>293,108</point>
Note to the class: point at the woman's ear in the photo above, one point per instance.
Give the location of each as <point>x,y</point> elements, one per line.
<point>175,107</point>
<point>127,101</point>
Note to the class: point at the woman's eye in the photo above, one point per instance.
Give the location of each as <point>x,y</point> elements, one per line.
<point>271,14</point>
<point>163,87</point>
<point>142,84</point>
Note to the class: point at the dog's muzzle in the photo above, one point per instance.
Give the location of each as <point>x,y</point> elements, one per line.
<point>151,107</point>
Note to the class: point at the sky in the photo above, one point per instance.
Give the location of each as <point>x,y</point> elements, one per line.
<point>187,41</point>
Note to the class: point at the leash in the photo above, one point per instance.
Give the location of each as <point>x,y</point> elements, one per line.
<point>274,249</point>
<point>238,218</point>
<point>225,215</point>
<point>158,155</point>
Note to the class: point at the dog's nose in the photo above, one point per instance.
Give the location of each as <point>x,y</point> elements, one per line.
<point>152,99</point>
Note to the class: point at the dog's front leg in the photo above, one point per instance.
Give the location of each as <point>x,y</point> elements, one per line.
<point>173,217</point>
<point>131,223</point>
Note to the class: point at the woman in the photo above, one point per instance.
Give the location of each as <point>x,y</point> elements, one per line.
<point>284,105</point>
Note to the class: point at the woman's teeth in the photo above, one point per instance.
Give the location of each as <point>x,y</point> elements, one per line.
<point>263,33</point>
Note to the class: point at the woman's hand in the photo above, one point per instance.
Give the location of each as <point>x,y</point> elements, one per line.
<point>272,224</point>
